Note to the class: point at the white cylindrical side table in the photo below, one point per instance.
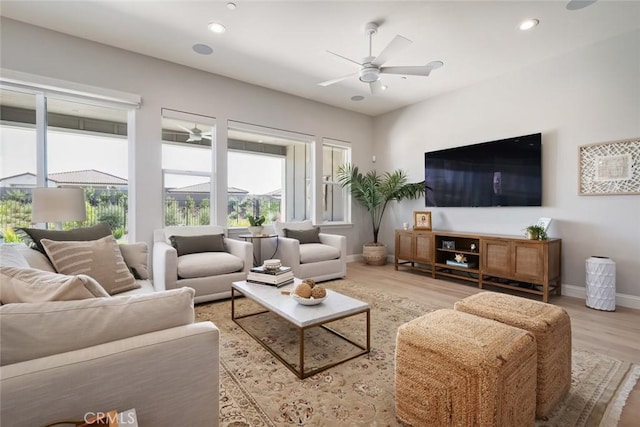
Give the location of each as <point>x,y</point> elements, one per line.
<point>601,283</point>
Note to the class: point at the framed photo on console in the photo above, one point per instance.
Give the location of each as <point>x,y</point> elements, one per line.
<point>422,220</point>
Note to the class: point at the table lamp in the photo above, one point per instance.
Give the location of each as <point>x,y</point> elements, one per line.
<point>58,204</point>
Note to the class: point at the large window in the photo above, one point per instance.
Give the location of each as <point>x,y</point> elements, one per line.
<point>187,160</point>
<point>269,174</point>
<point>334,196</point>
<point>56,140</point>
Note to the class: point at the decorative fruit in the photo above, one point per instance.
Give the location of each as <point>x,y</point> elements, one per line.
<point>318,292</point>
<point>303,290</point>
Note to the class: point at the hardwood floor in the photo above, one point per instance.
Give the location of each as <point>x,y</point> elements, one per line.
<point>616,333</point>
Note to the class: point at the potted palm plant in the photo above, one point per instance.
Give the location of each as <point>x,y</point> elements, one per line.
<point>375,192</point>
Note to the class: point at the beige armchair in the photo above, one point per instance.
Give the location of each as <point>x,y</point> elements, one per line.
<point>209,273</point>
<point>324,259</point>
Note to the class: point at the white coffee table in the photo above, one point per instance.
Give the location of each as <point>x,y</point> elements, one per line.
<point>335,307</point>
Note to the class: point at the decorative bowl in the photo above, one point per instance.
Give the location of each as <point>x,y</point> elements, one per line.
<point>271,264</point>
<point>308,301</point>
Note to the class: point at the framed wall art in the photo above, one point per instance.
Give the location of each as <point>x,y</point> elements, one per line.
<point>610,168</point>
<point>421,220</point>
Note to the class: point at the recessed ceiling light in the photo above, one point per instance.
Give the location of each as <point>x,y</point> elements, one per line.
<point>434,65</point>
<point>231,6</point>
<point>357,98</point>
<point>528,24</point>
<point>579,4</point>
<point>217,28</point>
<point>384,87</point>
<point>202,49</point>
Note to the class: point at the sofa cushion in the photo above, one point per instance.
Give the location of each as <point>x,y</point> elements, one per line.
<point>208,264</point>
<point>304,236</point>
<point>11,257</point>
<point>33,236</point>
<point>186,245</point>
<point>100,259</point>
<point>297,225</point>
<point>316,252</point>
<point>136,257</point>
<point>30,331</point>
<point>31,285</point>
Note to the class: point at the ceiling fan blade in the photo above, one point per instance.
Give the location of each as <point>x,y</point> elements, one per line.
<point>393,48</point>
<point>375,87</point>
<point>345,58</point>
<point>184,128</point>
<point>420,70</point>
<point>339,79</point>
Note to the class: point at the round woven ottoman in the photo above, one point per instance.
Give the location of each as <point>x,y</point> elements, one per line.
<point>456,369</point>
<point>550,325</point>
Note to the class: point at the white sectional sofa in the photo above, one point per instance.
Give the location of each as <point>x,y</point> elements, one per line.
<point>140,349</point>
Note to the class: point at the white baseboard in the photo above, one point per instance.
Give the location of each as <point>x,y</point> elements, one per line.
<point>623,300</point>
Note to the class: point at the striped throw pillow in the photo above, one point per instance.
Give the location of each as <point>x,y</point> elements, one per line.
<point>100,259</point>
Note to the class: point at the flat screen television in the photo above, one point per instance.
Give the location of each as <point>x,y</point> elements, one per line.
<point>507,172</point>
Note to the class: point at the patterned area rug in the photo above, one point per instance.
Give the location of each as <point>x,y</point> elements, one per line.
<point>258,390</point>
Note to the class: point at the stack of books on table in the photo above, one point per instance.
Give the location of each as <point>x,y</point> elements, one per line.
<point>276,277</point>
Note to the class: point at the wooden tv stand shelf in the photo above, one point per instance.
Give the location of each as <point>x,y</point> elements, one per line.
<point>516,263</point>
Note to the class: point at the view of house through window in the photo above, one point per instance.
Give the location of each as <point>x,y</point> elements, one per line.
<point>84,144</point>
<point>268,175</point>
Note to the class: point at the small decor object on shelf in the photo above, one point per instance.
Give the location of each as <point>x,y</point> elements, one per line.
<point>448,244</point>
<point>536,232</point>
<point>460,258</point>
<point>405,225</point>
<point>422,220</point>
<point>544,222</point>
<point>473,247</point>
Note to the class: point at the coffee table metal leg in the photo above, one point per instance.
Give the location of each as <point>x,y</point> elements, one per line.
<point>301,374</point>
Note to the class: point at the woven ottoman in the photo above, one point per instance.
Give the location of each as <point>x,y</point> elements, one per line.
<point>548,323</point>
<point>456,369</point>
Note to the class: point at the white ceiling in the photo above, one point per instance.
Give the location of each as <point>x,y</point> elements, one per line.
<point>282,45</point>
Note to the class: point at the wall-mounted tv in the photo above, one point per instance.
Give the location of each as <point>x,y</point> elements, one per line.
<point>507,172</point>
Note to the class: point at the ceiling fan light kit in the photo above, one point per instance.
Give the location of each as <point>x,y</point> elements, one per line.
<point>371,66</point>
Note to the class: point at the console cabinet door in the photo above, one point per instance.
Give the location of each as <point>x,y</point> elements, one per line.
<point>496,257</point>
<point>423,247</point>
<point>404,245</point>
<point>528,262</point>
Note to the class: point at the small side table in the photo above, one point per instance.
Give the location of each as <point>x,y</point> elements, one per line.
<point>257,246</point>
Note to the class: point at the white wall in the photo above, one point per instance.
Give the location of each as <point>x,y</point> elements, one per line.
<point>161,84</point>
<point>588,96</point>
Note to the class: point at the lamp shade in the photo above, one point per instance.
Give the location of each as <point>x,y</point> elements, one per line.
<point>58,204</point>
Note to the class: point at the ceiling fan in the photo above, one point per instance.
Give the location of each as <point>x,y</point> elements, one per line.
<point>371,67</point>
<point>195,134</point>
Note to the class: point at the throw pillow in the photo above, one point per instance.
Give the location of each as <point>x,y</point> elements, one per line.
<point>135,255</point>
<point>100,259</point>
<point>304,236</point>
<point>295,225</point>
<point>33,236</point>
<point>195,244</point>
<point>31,285</point>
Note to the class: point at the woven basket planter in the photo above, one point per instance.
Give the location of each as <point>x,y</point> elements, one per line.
<point>374,254</point>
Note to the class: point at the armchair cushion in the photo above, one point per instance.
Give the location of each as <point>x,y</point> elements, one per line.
<point>100,259</point>
<point>31,285</point>
<point>316,252</point>
<point>207,264</point>
<point>304,236</point>
<point>186,245</point>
